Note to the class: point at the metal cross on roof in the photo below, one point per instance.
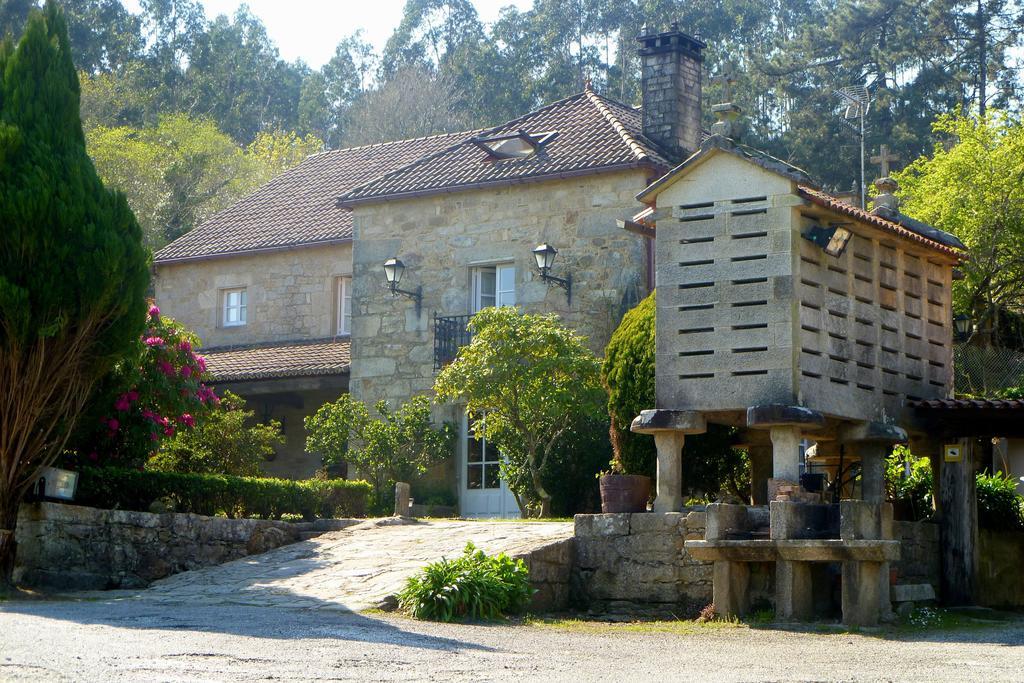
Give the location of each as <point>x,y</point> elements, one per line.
<point>883,158</point>
<point>726,78</point>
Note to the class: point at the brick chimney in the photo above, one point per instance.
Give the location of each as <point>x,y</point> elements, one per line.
<point>670,80</point>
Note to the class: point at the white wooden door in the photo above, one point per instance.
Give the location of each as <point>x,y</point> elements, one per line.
<point>482,491</point>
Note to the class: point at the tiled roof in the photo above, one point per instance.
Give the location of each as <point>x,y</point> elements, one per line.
<point>593,133</point>
<point>298,206</point>
<point>968,404</point>
<point>831,203</point>
<point>287,359</point>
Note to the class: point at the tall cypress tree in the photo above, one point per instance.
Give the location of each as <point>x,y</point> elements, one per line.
<point>73,271</point>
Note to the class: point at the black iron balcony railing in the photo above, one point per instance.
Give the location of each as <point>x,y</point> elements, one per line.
<point>451,333</point>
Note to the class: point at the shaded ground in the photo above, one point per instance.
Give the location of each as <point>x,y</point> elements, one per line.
<point>353,569</point>
<point>139,640</point>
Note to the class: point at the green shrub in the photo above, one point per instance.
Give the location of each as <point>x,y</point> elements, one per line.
<point>710,465</point>
<point>213,494</point>
<point>474,586</point>
<point>1000,508</point>
<point>221,443</point>
<point>908,484</point>
<point>570,473</point>
<point>397,445</point>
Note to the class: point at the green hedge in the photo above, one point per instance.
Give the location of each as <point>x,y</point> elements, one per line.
<point>213,494</point>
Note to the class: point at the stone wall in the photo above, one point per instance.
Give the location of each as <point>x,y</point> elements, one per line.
<point>1000,558</point>
<point>629,562</point>
<point>70,547</point>
<point>919,553</point>
<point>291,294</point>
<point>441,238</point>
<point>551,572</point>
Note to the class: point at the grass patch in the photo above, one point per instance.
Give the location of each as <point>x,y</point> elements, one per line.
<point>676,626</point>
<point>929,619</point>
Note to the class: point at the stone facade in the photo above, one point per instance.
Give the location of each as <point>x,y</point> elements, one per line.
<point>1001,555</point>
<point>70,547</point>
<point>291,293</point>
<point>441,238</point>
<point>919,553</point>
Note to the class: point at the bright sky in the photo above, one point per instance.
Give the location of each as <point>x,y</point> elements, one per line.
<point>310,29</point>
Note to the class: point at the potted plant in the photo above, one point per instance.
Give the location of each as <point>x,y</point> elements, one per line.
<point>621,492</point>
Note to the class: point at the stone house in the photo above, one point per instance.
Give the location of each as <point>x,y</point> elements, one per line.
<point>287,290</point>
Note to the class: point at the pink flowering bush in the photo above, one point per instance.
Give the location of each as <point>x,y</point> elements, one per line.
<point>154,393</point>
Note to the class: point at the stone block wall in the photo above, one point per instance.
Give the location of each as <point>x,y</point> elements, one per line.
<point>636,562</point>
<point>551,570</point>
<point>70,547</point>
<point>291,293</point>
<point>1000,558</point>
<point>919,553</point>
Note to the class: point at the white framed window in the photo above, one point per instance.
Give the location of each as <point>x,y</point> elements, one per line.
<point>494,286</point>
<point>343,314</point>
<point>235,305</point>
<point>483,463</point>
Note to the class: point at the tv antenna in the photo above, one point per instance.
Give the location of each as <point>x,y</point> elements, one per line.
<point>857,101</point>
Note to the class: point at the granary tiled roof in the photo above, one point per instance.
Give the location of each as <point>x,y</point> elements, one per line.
<point>272,361</point>
<point>968,404</point>
<point>831,203</point>
<point>592,133</point>
<point>298,206</point>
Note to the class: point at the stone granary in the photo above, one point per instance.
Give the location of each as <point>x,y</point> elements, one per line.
<point>797,318</point>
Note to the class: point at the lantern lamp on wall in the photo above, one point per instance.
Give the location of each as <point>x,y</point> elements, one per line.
<point>545,257</point>
<point>961,327</point>
<point>393,271</point>
<point>832,240</point>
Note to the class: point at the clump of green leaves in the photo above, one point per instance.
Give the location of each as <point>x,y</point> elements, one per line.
<point>908,482</point>
<point>397,445</point>
<point>1000,508</point>
<point>223,443</point>
<point>473,586</point>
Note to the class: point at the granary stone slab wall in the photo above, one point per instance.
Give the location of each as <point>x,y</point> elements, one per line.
<point>441,238</point>
<point>875,325</point>
<point>291,293</point>
<point>725,266</point>
<point>70,547</point>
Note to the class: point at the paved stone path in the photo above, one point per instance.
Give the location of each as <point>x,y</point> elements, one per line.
<point>352,569</point>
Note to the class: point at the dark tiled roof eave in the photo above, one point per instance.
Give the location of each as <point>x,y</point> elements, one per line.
<point>256,250</point>
<point>831,203</point>
<point>306,358</point>
<point>967,404</point>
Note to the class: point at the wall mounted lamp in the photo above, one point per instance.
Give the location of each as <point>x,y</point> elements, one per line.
<point>393,271</point>
<point>545,256</point>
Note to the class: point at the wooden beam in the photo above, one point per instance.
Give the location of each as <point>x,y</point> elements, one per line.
<point>637,229</point>
<point>958,526</point>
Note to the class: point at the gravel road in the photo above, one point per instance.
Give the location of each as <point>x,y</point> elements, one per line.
<point>139,640</point>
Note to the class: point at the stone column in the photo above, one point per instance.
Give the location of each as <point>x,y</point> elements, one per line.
<point>401,499</point>
<point>669,428</point>
<point>872,463</point>
<point>669,496</point>
<point>786,452</point>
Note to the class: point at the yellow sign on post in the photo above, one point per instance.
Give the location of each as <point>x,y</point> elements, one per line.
<point>953,453</point>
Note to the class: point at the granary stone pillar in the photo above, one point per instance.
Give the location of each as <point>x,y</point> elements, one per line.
<point>786,425</point>
<point>872,442</point>
<point>669,428</point>
<point>760,472</point>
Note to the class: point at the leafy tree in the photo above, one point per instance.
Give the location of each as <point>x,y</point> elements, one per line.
<point>908,483</point>
<point>183,170</point>
<point>397,445</point>
<point>224,441</point>
<point>974,188</point>
<point>154,392</point>
<point>418,103</point>
<point>73,271</point>
<point>531,379</point>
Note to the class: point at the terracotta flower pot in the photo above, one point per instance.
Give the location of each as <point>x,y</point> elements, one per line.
<point>625,492</point>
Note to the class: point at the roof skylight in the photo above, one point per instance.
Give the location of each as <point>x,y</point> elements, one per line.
<point>516,145</point>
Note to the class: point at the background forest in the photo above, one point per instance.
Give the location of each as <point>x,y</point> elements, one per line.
<point>186,114</point>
